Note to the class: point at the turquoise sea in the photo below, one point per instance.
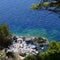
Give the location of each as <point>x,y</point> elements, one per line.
<point>27,22</point>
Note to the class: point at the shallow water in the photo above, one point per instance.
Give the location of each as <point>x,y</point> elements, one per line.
<point>27,22</point>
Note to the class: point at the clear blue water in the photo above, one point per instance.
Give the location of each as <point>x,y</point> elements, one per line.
<point>27,22</point>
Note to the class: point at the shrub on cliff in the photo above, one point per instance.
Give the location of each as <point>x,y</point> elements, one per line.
<point>30,57</point>
<point>5,36</point>
<point>53,52</point>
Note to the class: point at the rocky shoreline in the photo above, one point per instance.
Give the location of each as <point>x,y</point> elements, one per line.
<point>24,46</point>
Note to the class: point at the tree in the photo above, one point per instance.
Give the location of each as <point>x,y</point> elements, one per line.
<point>5,36</point>
<point>53,45</point>
<point>53,52</point>
<point>30,57</point>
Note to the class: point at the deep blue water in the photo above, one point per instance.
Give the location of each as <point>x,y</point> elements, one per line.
<point>24,21</point>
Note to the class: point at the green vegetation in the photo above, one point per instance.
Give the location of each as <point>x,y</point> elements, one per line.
<point>53,53</point>
<point>5,36</point>
<point>48,5</point>
<point>1,55</point>
<point>10,54</point>
<point>30,57</point>
<point>44,5</point>
<point>35,6</point>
